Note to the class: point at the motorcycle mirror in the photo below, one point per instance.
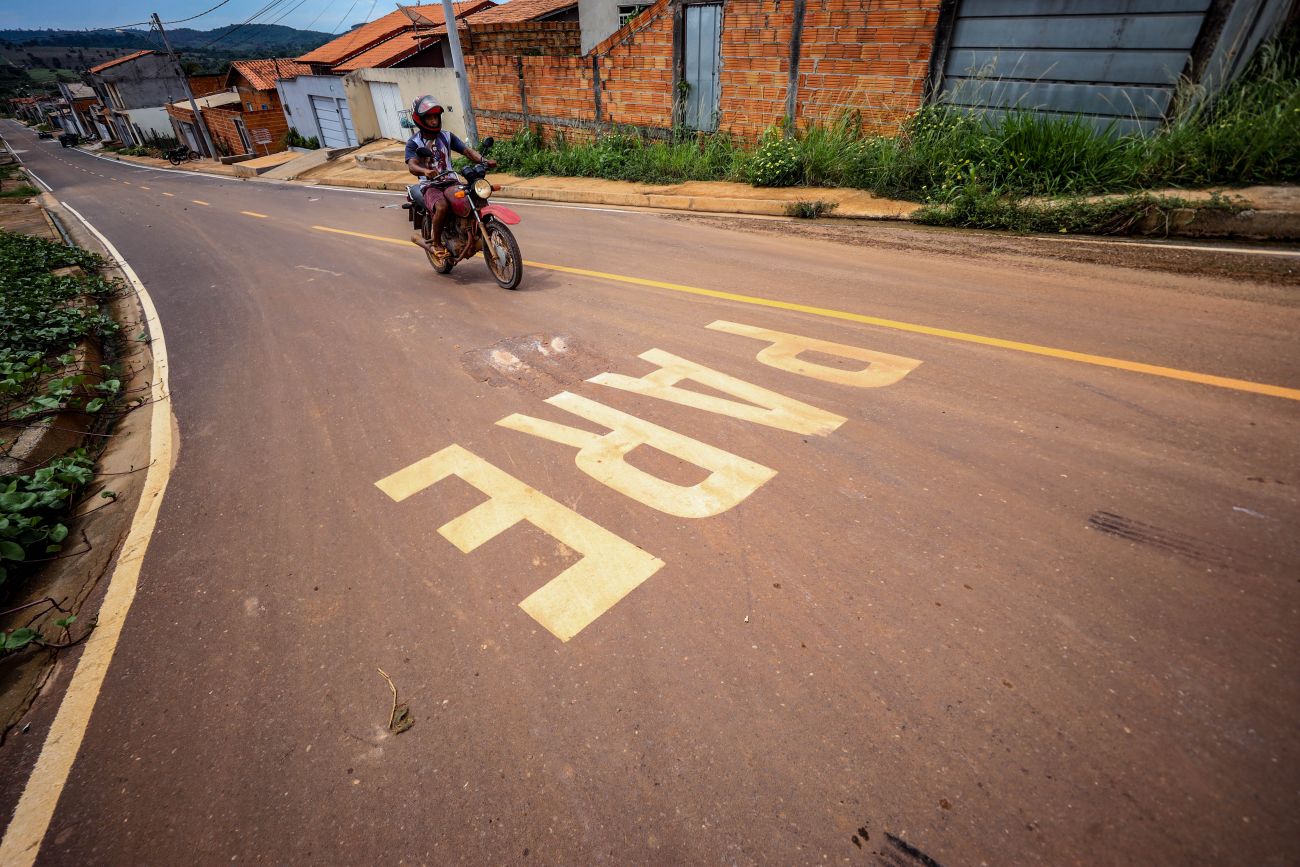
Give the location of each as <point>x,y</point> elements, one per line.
<point>487,144</point>
<point>424,153</point>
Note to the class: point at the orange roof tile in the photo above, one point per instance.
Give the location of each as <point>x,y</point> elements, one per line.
<point>391,51</point>
<point>369,35</point>
<point>519,10</point>
<point>263,73</point>
<point>128,57</point>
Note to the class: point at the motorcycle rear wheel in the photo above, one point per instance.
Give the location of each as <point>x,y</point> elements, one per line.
<point>501,253</point>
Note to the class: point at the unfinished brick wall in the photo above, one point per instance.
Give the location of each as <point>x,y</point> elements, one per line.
<point>526,38</point>
<point>870,56</point>
<point>221,124</point>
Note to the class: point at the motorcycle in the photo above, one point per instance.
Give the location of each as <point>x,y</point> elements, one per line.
<point>180,154</point>
<point>473,224</point>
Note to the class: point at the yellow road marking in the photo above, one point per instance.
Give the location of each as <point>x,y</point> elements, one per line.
<point>610,568</point>
<point>201,202</point>
<point>143,187</point>
<point>255,214</point>
<point>31,820</point>
<point>170,195</point>
<point>1032,348</point>
<point>128,183</point>
<point>603,457</point>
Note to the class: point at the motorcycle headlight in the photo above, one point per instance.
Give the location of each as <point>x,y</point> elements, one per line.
<point>482,188</point>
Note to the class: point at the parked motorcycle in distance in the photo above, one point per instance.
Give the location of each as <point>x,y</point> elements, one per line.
<point>180,154</point>
<point>473,224</point>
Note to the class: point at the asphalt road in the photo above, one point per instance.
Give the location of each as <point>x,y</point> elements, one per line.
<point>917,597</point>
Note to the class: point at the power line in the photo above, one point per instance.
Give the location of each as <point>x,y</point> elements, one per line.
<point>323,10</point>
<point>200,15</point>
<point>258,14</point>
<point>345,17</point>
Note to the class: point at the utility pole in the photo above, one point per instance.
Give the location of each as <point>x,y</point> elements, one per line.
<point>462,80</point>
<point>185,83</point>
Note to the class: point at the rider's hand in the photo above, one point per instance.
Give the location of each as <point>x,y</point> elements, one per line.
<point>492,164</point>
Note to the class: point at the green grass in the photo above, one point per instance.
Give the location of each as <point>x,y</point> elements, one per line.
<point>941,155</point>
<point>25,191</point>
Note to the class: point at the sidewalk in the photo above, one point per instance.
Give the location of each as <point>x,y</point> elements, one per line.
<point>1269,213</point>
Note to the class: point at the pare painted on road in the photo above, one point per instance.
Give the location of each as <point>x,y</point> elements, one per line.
<point>612,567</point>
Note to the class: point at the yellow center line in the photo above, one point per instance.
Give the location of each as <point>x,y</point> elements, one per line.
<point>255,214</point>
<point>128,183</point>
<point>201,202</point>
<point>143,187</point>
<point>170,195</point>
<point>1000,343</point>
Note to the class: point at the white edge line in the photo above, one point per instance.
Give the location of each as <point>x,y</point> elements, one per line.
<point>37,178</point>
<point>31,821</point>
<point>1203,248</point>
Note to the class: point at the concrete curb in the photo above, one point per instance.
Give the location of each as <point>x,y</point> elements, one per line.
<point>1268,224</point>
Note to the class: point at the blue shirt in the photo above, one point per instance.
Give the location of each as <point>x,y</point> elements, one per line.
<point>442,145</point>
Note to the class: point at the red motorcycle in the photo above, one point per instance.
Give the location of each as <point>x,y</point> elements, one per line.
<point>473,224</point>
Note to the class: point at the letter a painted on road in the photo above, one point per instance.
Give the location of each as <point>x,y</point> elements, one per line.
<point>762,406</point>
<point>610,567</point>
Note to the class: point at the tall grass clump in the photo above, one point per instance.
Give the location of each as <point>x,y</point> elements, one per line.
<point>625,155</point>
<point>1250,134</point>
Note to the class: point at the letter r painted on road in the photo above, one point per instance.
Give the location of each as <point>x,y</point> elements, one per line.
<point>602,456</point>
<point>882,368</point>
<point>761,405</point>
<point>610,567</point>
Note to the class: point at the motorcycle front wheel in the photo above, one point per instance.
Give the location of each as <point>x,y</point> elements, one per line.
<point>172,158</point>
<point>502,256</point>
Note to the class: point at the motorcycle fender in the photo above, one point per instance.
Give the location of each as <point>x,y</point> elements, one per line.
<point>502,213</point>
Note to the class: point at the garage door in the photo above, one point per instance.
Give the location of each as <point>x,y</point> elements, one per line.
<point>388,109</point>
<point>329,122</point>
<point>1111,62</point>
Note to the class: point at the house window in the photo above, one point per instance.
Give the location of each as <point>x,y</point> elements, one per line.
<point>627,13</point>
<point>250,105</point>
<point>266,107</point>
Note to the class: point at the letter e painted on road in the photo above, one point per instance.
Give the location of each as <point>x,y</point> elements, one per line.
<point>882,368</point>
<point>762,406</point>
<point>610,567</point>
<point>601,456</point>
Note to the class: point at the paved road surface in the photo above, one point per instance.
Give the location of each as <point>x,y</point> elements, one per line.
<point>899,597</point>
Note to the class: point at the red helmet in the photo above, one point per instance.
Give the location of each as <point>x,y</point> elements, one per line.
<point>426,114</point>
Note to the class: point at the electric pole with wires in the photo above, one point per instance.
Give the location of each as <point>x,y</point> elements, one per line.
<point>462,81</point>
<point>199,120</point>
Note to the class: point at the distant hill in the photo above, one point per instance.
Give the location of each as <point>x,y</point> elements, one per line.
<point>250,40</point>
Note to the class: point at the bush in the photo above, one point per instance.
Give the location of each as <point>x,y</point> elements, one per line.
<point>776,162</point>
<point>294,139</point>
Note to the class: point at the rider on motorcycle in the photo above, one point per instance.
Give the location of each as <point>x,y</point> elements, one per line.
<point>435,172</point>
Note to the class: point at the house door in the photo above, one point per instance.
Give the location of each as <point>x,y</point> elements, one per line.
<point>243,136</point>
<point>329,122</point>
<point>348,128</point>
<point>702,61</point>
<point>388,109</point>
<point>191,140</point>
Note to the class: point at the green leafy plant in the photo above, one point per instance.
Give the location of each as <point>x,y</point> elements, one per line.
<point>809,210</point>
<point>295,139</point>
<point>31,508</point>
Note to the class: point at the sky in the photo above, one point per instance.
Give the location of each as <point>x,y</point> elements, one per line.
<point>330,16</point>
